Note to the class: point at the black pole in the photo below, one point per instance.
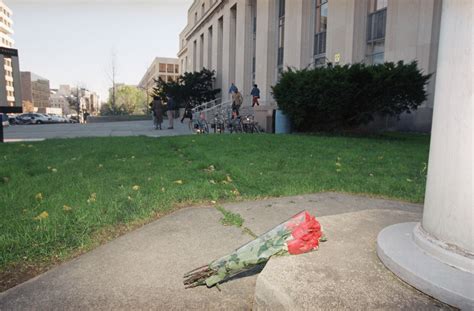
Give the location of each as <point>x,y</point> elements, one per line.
<point>1,129</point>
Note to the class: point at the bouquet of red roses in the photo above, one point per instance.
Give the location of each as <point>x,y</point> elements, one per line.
<point>300,234</point>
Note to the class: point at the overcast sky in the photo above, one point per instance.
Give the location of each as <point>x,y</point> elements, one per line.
<point>72,41</point>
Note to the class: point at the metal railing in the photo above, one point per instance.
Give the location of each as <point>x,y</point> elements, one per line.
<point>206,105</point>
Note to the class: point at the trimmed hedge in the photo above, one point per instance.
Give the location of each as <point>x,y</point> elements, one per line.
<point>335,98</point>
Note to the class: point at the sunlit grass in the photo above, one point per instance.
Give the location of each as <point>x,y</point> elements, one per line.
<point>57,196</point>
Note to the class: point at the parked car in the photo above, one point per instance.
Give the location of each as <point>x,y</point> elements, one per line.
<point>73,119</point>
<point>57,119</point>
<point>12,119</point>
<point>33,118</point>
<point>48,116</point>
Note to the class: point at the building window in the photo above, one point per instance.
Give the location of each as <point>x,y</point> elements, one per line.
<point>195,17</point>
<point>209,47</point>
<point>170,68</point>
<point>162,67</point>
<point>321,22</point>
<point>281,34</point>
<point>176,68</point>
<point>376,23</point>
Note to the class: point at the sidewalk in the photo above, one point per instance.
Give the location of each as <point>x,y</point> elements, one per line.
<point>124,128</point>
<point>143,269</point>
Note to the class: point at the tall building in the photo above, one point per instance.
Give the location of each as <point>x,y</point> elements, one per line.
<point>6,24</point>
<point>59,103</point>
<point>9,66</point>
<point>88,100</point>
<point>165,68</point>
<point>35,92</point>
<point>252,41</point>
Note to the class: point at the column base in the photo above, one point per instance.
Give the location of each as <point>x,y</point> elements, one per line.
<point>398,250</point>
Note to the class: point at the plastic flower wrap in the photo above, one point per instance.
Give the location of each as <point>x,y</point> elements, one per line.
<point>300,234</point>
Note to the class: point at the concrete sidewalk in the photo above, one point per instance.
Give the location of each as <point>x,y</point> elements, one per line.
<point>125,128</point>
<point>143,269</point>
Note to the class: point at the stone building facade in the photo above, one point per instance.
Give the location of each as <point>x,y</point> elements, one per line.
<point>251,41</point>
<point>36,91</point>
<point>10,90</point>
<point>162,67</point>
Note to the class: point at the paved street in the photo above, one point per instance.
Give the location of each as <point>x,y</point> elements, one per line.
<point>125,128</point>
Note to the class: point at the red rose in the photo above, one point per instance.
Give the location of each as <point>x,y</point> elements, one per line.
<point>306,232</point>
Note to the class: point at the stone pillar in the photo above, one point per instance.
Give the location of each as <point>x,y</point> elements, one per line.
<point>266,46</point>
<point>226,55</point>
<point>243,69</point>
<point>437,256</point>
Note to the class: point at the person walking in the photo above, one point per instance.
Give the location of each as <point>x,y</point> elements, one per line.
<point>85,116</point>
<point>157,110</point>
<point>233,89</point>
<point>237,100</point>
<point>188,113</point>
<point>255,95</point>
<point>171,107</point>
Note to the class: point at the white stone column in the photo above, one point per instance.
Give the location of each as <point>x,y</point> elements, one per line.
<point>437,256</point>
<point>266,45</point>
<point>243,58</point>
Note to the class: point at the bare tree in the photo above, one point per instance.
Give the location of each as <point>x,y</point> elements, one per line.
<point>112,75</point>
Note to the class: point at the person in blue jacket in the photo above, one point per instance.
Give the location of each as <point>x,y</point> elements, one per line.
<point>255,95</point>
<point>233,89</point>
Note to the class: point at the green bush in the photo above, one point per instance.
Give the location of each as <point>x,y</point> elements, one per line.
<point>336,98</point>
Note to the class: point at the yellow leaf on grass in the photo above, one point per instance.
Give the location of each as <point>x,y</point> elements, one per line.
<point>39,196</point>
<point>54,170</point>
<point>136,187</point>
<point>92,198</point>
<point>42,216</point>
<point>228,178</point>
<point>179,182</point>
<point>409,180</point>
<point>163,189</point>
<point>212,181</point>
<point>338,164</point>
<point>101,166</point>
<point>67,208</point>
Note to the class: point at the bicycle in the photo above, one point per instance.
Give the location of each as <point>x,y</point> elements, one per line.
<point>200,124</point>
<point>249,125</point>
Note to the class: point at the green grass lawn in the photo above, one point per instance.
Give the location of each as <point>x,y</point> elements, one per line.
<point>59,197</point>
